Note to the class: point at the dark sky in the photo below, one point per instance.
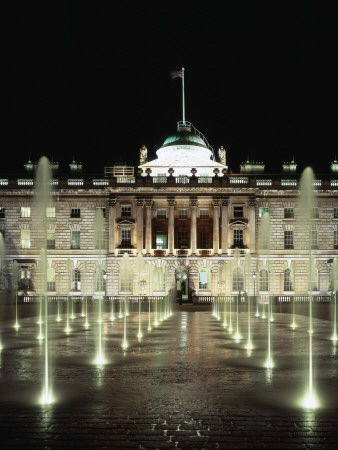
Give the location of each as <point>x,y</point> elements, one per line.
<point>91,79</point>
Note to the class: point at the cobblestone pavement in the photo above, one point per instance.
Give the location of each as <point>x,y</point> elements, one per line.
<point>188,384</point>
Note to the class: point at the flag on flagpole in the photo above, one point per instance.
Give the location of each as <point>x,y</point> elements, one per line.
<point>176,74</point>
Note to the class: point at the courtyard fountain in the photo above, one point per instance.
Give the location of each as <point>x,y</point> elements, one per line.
<point>334,295</point>
<point>125,274</point>
<point>2,274</point>
<point>15,285</point>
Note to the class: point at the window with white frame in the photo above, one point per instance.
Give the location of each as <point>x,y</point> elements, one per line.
<point>289,213</point>
<point>161,240</point>
<point>75,213</point>
<point>183,239</point>
<point>288,281</point>
<point>2,212</point>
<point>25,211</point>
<point>204,279</point>
<point>125,211</point>
<point>204,240</point>
<point>50,239</point>
<point>25,238</point>
<point>182,213</point>
<point>161,214</point>
<point>288,239</point>
<point>237,280</point>
<point>76,282</point>
<point>238,211</point>
<point>315,213</point>
<point>50,211</point>
<point>264,280</point>
<point>314,239</point>
<point>204,214</point>
<point>335,240</point>
<point>335,213</point>
<point>75,239</point>
<point>126,238</point>
<point>238,238</point>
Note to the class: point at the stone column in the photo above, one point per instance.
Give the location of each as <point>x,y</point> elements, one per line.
<point>139,224</point>
<point>216,226</point>
<point>193,222</point>
<point>171,222</point>
<point>225,224</point>
<point>111,225</point>
<point>252,224</point>
<point>149,204</point>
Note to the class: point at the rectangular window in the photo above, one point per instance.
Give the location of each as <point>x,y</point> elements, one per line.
<point>75,213</point>
<point>2,213</point>
<point>262,211</point>
<point>183,241</point>
<point>314,239</point>
<point>126,239</point>
<point>50,239</point>
<point>182,213</point>
<point>161,214</point>
<point>289,213</point>
<point>315,213</point>
<point>335,213</point>
<point>204,214</point>
<point>335,237</point>
<point>50,211</point>
<point>100,239</point>
<point>25,211</point>
<point>288,239</point>
<point>238,238</point>
<point>126,211</point>
<point>238,211</point>
<point>25,239</point>
<point>102,209</point>
<point>161,240</point>
<point>204,240</point>
<point>51,286</point>
<point>75,239</point>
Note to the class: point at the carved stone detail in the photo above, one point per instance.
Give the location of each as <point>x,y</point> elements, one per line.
<point>139,201</point>
<point>112,202</point>
<point>171,201</point>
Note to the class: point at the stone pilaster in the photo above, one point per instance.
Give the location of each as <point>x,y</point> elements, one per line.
<point>252,224</point>
<point>112,225</point>
<point>193,225</point>
<point>139,224</point>
<point>216,203</point>
<point>225,224</point>
<point>148,203</point>
<point>171,222</point>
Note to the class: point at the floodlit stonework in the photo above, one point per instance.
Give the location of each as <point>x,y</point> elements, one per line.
<point>186,217</point>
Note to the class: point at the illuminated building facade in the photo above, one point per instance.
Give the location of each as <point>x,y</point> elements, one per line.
<point>186,214</point>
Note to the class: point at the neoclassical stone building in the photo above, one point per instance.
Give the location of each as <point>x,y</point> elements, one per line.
<point>185,213</point>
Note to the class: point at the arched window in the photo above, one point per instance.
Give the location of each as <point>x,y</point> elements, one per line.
<point>288,282</point>
<point>204,279</point>
<point>76,283</point>
<point>263,280</point>
<point>238,280</point>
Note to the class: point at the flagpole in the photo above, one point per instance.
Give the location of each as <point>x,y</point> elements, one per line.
<point>183,100</point>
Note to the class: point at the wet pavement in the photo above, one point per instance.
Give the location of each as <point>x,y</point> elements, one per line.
<point>187,384</point>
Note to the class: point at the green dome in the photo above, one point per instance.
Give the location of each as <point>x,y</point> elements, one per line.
<point>184,137</point>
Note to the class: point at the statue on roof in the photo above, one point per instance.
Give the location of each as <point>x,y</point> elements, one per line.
<point>143,154</point>
<point>222,155</point>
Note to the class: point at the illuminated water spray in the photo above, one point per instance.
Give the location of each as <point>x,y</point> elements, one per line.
<point>125,274</point>
<point>42,200</point>
<point>293,324</point>
<point>247,266</point>
<point>15,282</point>
<point>140,267</point>
<point>101,278</point>
<point>70,271</point>
<point>335,288</point>
<point>269,362</point>
<point>307,203</point>
<point>2,273</point>
<point>85,292</point>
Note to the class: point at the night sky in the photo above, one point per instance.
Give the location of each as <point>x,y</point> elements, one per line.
<point>91,80</point>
